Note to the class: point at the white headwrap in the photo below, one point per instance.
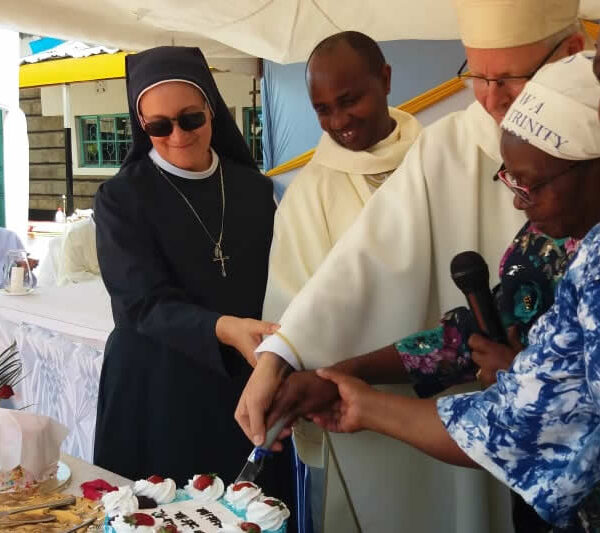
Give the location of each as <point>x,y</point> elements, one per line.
<point>557,111</point>
<point>508,23</point>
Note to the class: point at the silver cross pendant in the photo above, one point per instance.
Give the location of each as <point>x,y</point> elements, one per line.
<point>219,257</point>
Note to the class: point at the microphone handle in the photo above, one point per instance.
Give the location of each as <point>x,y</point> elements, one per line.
<point>482,306</point>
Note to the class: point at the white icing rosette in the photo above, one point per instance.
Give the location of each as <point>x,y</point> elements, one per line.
<point>122,501</point>
<point>161,493</point>
<point>122,524</point>
<point>268,513</point>
<point>210,494</point>
<point>239,495</point>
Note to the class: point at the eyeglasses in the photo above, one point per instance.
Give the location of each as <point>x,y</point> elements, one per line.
<point>525,193</point>
<point>506,81</point>
<point>163,127</point>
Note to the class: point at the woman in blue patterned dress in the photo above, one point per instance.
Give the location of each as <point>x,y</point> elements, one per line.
<point>537,429</point>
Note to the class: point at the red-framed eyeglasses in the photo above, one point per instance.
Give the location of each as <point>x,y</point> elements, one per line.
<point>525,193</point>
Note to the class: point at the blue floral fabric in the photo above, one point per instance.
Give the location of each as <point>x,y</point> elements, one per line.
<point>538,428</point>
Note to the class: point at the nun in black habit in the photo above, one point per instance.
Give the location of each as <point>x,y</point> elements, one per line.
<point>183,237</point>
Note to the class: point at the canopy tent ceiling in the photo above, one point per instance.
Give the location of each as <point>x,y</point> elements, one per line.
<point>280,30</point>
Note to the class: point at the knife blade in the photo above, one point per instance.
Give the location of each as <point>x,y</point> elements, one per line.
<point>256,459</point>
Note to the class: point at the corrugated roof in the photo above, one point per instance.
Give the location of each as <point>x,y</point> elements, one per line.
<point>69,49</point>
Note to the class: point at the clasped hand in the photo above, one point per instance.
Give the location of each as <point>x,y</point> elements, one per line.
<point>333,400</point>
<point>243,334</point>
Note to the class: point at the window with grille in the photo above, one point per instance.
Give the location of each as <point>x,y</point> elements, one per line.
<point>104,140</point>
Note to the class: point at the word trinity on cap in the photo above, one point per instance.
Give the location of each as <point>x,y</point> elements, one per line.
<point>531,125</point>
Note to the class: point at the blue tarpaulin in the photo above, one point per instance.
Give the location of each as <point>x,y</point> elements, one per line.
<point>43,44</point>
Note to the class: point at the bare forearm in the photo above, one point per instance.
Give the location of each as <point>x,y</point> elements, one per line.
<point>416,422</point>
<point>380,367</point>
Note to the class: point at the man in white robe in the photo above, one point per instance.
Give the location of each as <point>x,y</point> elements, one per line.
<point>389,275</point>
<point>79,261</point>
<point>363,142</point>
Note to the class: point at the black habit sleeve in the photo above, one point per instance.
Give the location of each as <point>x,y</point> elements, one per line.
<point>137,278</point>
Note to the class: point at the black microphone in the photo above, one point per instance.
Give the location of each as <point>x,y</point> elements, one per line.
<point>471,275</point>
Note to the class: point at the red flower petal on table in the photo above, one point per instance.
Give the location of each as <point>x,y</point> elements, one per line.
<point>93,490</point>
<point>6,391</point>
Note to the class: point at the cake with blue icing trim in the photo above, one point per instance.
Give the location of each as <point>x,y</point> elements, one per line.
<point>202,505</point>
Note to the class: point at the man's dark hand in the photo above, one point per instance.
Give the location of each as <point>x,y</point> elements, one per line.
<point>300,394</point>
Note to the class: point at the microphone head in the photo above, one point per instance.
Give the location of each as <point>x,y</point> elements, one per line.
<point>470,272</point>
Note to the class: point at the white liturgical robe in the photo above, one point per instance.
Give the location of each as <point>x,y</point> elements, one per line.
<point>322,202</point>
<point>389,276</point>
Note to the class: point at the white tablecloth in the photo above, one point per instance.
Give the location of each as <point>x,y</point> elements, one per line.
<point>80,311</point>
<point>82,471</point>
<point>60,333</point>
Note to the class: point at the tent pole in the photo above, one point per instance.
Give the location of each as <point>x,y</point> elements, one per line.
<point>68,150</point>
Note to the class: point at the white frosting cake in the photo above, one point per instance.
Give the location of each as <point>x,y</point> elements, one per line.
<point>187,517</point>
<point>241,509</point>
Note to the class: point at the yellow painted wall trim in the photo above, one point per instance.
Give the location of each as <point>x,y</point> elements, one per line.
<point>413,106</point>
<point>433,96</point>
<point>296,162</point>
<point>73,70</point>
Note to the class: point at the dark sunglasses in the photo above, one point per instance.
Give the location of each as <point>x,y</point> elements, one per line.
<point>163,127</point>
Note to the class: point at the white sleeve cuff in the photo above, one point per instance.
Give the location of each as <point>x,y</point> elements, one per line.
<point>276,345</point>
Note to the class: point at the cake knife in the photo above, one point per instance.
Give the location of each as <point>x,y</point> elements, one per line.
<point>256,459</point>
<point>69,500</point>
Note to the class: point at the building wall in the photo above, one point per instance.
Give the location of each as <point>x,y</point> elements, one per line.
<point>46,153</point>
<point>44,108</point>
<point>104,97</point>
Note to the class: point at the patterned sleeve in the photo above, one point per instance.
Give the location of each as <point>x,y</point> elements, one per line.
<point>589,316</point>
<point>589,509</point>
<point>538,428</point>
<point>439,358</point>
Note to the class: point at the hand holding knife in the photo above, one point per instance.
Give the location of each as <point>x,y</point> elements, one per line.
<point>256,459</point>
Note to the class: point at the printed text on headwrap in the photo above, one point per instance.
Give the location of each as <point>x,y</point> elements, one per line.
<point>530,124</point>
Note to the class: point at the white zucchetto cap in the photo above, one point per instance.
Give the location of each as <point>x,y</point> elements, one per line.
<point>508,23</point>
